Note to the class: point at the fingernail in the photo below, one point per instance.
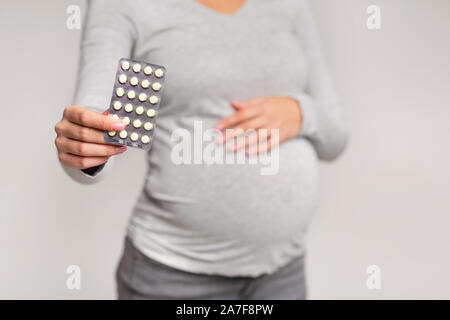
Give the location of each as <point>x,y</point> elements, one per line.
<point>236,104</point>
<point>220,139</point>
<point>251,151</point>
<point>218,126</point>
<point>118,126</point>
<point>121,149</point>
<point>234,147</point>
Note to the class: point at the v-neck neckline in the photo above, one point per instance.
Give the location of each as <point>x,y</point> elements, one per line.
<point>218,13</point>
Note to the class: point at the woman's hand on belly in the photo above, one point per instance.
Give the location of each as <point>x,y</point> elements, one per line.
<point>261,123</point>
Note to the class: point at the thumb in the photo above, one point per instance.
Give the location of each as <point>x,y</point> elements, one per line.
<point>249,103</point>
<point>237,105</point>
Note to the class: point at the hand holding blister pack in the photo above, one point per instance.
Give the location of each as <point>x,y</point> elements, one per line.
<point>135,100</point>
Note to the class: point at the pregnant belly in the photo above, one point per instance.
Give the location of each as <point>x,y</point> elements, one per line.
<point>234,202</point>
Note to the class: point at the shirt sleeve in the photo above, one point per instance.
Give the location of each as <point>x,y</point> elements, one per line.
<point>93,175</point>
<point>109,34</point>
<point>322,113</point>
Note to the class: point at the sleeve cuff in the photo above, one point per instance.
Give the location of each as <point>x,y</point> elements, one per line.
<point>91,175</point>
<point>94,170</point>
<point>307,108</point>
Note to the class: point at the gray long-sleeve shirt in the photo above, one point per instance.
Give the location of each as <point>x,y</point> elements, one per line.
<point>226,219</point>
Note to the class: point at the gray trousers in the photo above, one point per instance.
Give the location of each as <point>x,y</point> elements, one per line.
<point>139,277</point>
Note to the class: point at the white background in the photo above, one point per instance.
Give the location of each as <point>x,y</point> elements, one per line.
<point>385,201</point>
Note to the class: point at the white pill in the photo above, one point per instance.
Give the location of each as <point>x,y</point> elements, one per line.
<point>117,105</point>
<point>148,70</point>
<point>131,94</point>
<point>145,139</point>
<point>159,73</point>
<point>137,123</point>
<point>151,113</point>
<point>134,136</point>
<point>111,133</point>
<point>122,78</point>
<point>156,86</point>
<point>128,107</point>
<point>148,126</point>
<point>120,92</point>
<point>140,110</point>
<point>136,67</point>
<point>145,84</point>
<point>126,121</point>
<point>115,117</point>
<point>125,65</point>
<point>142,97</point>
<point>134,81</point>
<point>123,134</point>
<point>153,99</point>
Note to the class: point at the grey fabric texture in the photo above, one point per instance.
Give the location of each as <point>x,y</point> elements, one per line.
<point>223,219</point>
<point>140,278</point>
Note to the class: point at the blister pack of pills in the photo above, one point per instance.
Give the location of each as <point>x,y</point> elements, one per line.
<point>135,100</point>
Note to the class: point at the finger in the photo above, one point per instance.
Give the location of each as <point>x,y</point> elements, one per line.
<point>267,140</point>
<point>77,162</point>
<point>77,132</point>
<point>92,119</point>
<point>86,149</point>
<point>237,117</point>
<point>249,103</point>
<point>252,124</point>
<point>261,147</point>
<point>253,138</point>
<point>248,140</point>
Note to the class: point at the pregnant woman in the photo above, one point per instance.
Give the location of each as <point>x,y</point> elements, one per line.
<point>211,231</point>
